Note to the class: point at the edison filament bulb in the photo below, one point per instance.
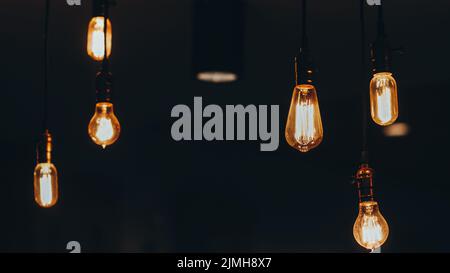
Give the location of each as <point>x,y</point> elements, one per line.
<point>383,99</point>
<point>104,127</point>
<point>370,229</point>
<point>304,125</point>
<point>45,175</point>
<point>96,38</point>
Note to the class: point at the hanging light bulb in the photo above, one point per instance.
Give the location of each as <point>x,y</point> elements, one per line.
<point>45,181</point>
<point>304,126</point>
<point>383,87</point>
<point>104,127</point>
<point>96,34</point>
<point>370,229</point>
<point>95,38</point>
<point>45,174</point>
<point>383,99</point>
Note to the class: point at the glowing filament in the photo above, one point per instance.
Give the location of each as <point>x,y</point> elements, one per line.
<point>371,230</point>
<point>105,129</point>
<point>45,184</point>
<point>96,38</point>
<point>304,122</point>
<point>383,99</point>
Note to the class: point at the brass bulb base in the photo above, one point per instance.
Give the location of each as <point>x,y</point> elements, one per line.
<point>44,148</point>
<point>364,183</point>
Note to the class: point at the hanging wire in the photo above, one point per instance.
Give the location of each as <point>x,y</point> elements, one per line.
<point>381,29</point>
<point>46,60</point>
<point>363,71</point>
<point>304,37</point>
<point>105,32</point>
<point>304,42</point>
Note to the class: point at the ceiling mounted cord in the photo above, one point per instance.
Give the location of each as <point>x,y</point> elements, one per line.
<point>303,64</point>
<point>105,33</point>
<point>303,44</point>
<point>304,36</point>
<point>364,79</point>
<point>381,29</point>
<point>45,85</point>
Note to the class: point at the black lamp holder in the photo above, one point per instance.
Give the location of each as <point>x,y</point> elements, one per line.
<point>304,67</point>
<point>380,50</point>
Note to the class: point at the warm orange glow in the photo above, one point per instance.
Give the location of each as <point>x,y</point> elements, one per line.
<point>96,38</point>
<point>383,99</point>
<point>104,127</point>
<point>304,125</point>
<point>370,229</point>
<point>217,76</point>
<point>398,129</point>
<point>45,185</point>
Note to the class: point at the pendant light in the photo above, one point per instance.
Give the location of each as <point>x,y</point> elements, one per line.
<point>45,173</point>
<point>370,229</point>
<point>96,35</point>
<point>218,36</point>
<point>104,127</point>
<point>304,124</point>
<point>383,87</point>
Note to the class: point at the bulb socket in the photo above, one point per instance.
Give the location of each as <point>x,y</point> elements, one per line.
<point>103,86</point>
<point>304,68</point>
<point>100,7</point>
<point>44,148</point>
<point>364,183</point>
<point>381,54</point>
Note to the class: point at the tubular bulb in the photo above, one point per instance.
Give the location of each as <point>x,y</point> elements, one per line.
<point>104,127</point>
<point>383,99</point>
<point>96,38</point>
<point>45,184</point>
<point>45,174</point>
<point>370,229</point>
<point>304,125</point>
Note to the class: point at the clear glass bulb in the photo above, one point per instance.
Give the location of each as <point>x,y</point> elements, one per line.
<point>370,229</point>
<point>304,125</point>
<point>383,99</point>
<point>104,127</point>
<point>45,184</point>
<point>96,38</point>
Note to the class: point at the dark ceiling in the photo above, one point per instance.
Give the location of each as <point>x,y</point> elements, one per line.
<point>148,193</point>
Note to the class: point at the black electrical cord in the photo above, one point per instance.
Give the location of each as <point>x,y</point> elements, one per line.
<point>381,29</point>
<point>364,97</point>
<point>45,86</point>
<point>304,37</point>
<point>304,68</point>
<point>105,32</point>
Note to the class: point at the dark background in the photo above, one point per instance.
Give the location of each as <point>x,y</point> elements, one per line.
<point>148,193</point>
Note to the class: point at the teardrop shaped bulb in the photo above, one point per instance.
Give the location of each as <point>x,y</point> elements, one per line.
<point>104,127</point>
<point>304,125</point>
<point>370,229</point>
